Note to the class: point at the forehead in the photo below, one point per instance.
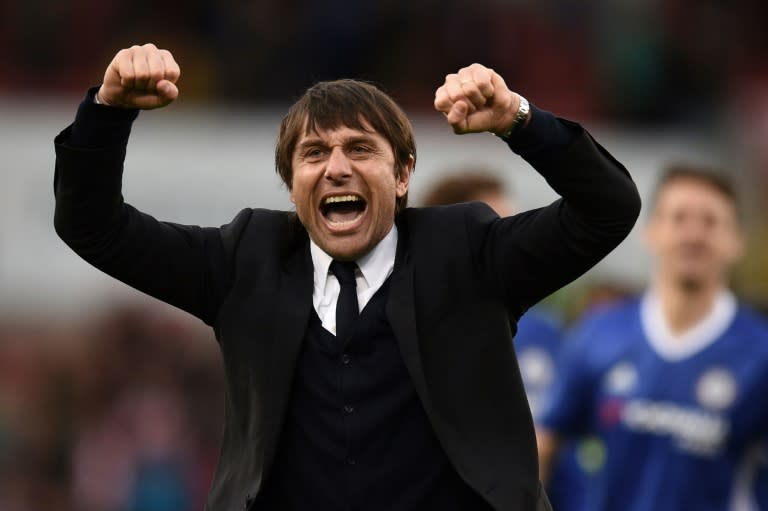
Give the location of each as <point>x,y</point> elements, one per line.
<point>694,195</point>
<point>338,133</point>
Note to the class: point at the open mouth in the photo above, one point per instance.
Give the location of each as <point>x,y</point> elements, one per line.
<point>343,209</point>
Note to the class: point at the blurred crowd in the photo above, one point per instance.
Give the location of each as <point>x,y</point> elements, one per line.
<point>123,412</point>
<point>119,413</point>
<point>655,62</point>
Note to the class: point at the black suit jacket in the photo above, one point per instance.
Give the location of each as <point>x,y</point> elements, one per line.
<point>462,278</point>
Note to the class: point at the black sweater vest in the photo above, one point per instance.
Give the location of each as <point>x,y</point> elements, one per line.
<point>356,436</point>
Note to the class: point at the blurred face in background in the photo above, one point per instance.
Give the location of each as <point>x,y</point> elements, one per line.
<point>694,234</point>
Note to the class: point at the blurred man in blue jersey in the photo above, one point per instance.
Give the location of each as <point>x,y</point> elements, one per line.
<point>674,383</point>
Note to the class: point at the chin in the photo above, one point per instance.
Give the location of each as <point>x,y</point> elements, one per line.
<point>344,251</point>
<point>691,283</point>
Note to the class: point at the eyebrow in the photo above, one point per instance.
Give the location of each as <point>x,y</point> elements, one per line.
<point>317,141</point>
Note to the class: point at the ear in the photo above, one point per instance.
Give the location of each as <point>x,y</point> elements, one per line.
<point>403,177</point>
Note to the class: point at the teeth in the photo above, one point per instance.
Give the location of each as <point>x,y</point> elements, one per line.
<point>341,198</point>
<point>341,224</point>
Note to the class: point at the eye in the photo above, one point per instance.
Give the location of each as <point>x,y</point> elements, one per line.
<point>678,217</point>
<point>360,151</point>
<point>709,220</point>
<point>313,153</point>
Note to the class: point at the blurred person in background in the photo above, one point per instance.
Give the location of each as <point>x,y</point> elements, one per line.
<point>673,383</point>
<point>408,382</point>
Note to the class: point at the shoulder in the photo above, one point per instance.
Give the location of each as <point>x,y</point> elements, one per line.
<point>749,318</point>
<point>605,333</point>
<point>449,214</point>
<point>610,317</point>
<point>448,227</point>
<point>539,324</point>
<point>269,229</point>
<point>751,327</point>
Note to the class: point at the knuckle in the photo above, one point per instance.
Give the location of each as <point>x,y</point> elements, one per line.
<point>150,46</point>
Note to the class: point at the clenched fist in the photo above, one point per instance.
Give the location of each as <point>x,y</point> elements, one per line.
<point>141,77</point>
<point>476,99</point>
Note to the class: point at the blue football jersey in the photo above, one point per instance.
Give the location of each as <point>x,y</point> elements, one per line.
<point>678,416</point>
<point>536,345</point>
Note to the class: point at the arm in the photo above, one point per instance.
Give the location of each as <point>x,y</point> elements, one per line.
<point>571,408</point>
<point>533,254</point>
<point>183,265</point>
<point>548,443</point>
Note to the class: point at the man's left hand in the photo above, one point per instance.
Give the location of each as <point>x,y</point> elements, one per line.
<point>476,99</point>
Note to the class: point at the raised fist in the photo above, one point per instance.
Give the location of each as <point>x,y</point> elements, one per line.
<point>141,77</point>
<point>476,99</point>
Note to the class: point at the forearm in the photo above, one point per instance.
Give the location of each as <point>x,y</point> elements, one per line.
<point>172,262</point>
<point>548,444</point>
<point>542,250</point>
<point>593,184</point>
<point>88,173</point>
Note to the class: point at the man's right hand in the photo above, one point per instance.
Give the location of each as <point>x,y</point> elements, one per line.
<point>142,77</point>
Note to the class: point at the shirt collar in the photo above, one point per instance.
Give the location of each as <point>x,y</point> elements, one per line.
<point>375,266</point>
<point>673,347</point>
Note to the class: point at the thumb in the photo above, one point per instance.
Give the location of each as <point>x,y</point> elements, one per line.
<point>167,90</point>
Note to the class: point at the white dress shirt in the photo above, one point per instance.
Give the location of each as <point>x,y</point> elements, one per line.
<point>373,270</point>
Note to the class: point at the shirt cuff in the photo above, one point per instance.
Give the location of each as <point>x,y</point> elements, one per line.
<point>543,132</point>
<point>99,125</point>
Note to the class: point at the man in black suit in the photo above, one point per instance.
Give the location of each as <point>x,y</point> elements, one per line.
<point>366,345</point>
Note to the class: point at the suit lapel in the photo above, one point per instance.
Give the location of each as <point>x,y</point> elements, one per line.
<point>294,303</point>
<point>401,310</point>
<point>293,306</point>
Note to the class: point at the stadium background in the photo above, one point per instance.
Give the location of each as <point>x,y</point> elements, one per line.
<point>112,401</point>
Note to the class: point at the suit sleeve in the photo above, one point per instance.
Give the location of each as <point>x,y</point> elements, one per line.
<point>532,254</point>
<point>186,266</point>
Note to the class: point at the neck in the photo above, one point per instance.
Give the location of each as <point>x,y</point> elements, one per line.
<point>685,306</point>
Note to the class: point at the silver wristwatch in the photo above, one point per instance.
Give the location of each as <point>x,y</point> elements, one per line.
<point>522,112</point>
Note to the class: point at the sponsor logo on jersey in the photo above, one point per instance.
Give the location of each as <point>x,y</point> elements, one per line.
<point>692,429</point>
<point>716,389</point>
<point>621,378</point>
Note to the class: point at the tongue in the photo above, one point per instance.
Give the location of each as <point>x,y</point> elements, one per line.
<point>343,213</point>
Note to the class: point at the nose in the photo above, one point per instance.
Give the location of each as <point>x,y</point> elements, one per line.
<point>337,167</point>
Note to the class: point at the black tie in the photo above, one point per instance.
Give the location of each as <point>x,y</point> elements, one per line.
<point>347,309</point>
